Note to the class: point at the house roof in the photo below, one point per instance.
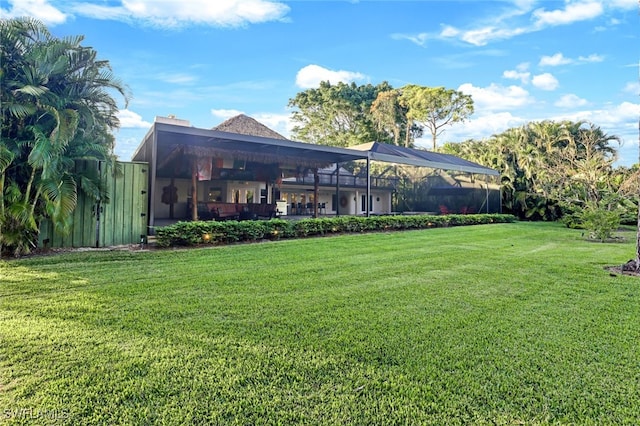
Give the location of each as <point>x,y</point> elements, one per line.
<point>244,125</point>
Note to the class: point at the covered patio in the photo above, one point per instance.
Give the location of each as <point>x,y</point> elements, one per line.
<point>199,173</point>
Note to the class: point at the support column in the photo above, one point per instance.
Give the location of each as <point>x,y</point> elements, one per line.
<point>194,189</point>
<point>337,189</point>
<point>316,185</point>
<point>368,200</point>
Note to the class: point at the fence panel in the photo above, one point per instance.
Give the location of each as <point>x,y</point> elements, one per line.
<point>121,220</point>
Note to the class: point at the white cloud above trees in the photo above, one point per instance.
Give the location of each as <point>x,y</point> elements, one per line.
<point>164,13</point>
<point>224,114</point>
<point>310,76</point>
<point>41,10</point>
<point>520,73</point>
<point>511,23</point>
<point>129,119</point>
<point>545,81</point>
<point>570,101</point>
<point>573,12</point>
<point>497,97</point>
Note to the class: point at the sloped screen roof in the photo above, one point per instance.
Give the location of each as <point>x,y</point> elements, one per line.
<point>171,138</point>
<point>416,157</point>
<point>190,140</point>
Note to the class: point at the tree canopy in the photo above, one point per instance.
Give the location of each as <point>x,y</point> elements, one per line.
<point>57,106</point>
<point>336,114</point>
<point>435,107</point>
<point>347,114</point>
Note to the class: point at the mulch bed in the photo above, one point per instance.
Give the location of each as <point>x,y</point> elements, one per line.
<point>630,268</point>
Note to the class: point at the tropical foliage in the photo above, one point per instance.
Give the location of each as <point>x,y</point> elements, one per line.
<point>57,107</point>
<point>553,168</point>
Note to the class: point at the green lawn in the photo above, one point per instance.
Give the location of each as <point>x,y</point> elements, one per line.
<point>491,324</point>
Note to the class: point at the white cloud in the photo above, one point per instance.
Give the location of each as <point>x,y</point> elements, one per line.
<point>281,123</point>
<point>570,101</point>
<point>225,113</point>
<point>477,128</point>
<point>507,24</point>
<point>311,76</point>
<point>126,144</point>
<point>559,59</point>
<point>554,60</point>
<point>42,10</point>
<point>482,36</point>
<point>623,115</point>
<point>449,31</point>
<point>419,39</point>
<point>130,119</point>
<point>177,13</point>
<point>178,78</point>
<point>520,73</point>
<point>591,58</point>
<point>497,97</point>
<point>618,120</point>
<point>545,81</point>
<point>573,12</point>
<point>633,88</point>
<point>623,4</point>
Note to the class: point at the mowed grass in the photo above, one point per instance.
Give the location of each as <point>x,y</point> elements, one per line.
<point>492,324</point>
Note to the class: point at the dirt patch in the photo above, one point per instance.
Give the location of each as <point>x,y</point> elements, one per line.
<point>41,252</point>
<point>630,268</point>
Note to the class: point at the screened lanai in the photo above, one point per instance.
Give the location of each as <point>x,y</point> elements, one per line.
<point>192,169</point>
<point>440,183</point>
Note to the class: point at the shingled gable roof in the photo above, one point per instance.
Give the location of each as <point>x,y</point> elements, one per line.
<point>244,125</point>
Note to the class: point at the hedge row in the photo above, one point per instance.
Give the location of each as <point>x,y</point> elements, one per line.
<point>212,232</point>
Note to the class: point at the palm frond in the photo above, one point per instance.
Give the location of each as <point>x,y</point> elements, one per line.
<point>61,200</point>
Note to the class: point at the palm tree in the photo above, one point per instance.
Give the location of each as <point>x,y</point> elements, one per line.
<point>56,108</point>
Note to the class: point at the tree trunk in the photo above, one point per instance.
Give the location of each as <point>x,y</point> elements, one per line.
<point>638,241</point>
<point>407,138</point>
<point>638,230</point>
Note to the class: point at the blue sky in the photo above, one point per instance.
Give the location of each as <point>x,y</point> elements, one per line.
<point>205,61</point>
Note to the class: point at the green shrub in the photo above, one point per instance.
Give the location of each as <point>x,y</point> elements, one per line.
<point>600,222</point>
<point>225,232</point>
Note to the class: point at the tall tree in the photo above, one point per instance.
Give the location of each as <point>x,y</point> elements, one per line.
<point>388,114</point>
<point>392,119</point>
<point>336,114</point>
<point>435,107</point>
<point>57,106</point>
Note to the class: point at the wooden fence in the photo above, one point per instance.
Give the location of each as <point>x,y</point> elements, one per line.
<point>121,220</point>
